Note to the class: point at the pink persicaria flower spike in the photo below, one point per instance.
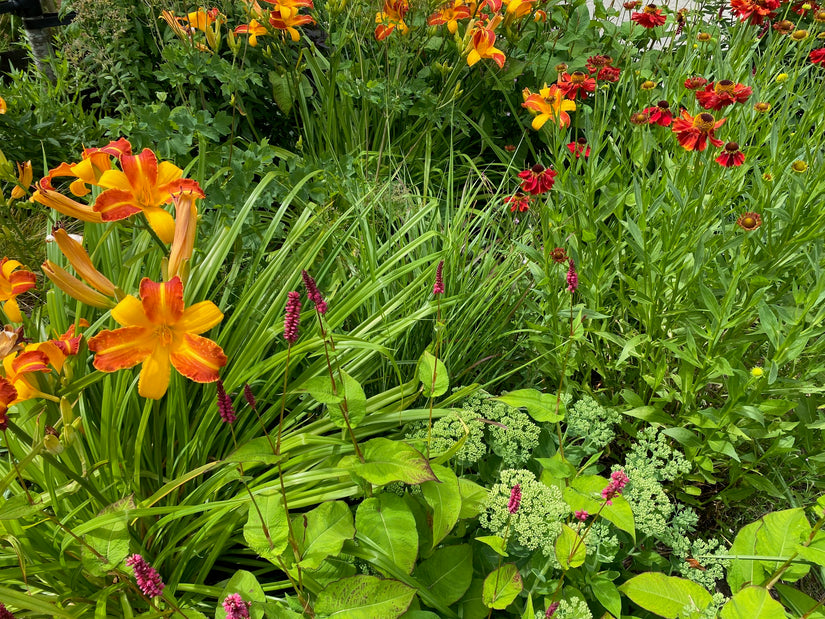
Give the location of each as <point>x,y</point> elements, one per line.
<point>438,287</point>
<point>572,277</point>
<point>250,397</point>
<point>225,408</point>
<point>4,613</point>
<point>235,607</point>
<point>293,317</point>
<point>618,480</point>
<point>582,515</point>
<point>147,578</point>
<point>515,499</point>
<point>551,610</point>
<point>313,294</point>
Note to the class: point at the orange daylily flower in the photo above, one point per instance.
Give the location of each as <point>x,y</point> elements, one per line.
<point>253,29</point>
<point>202,20</point>
<point>290,8</point>
<point>24,180</point>
<point>548,103</point>
<point>450,14</point>
<point>15,367</point>
<point>143,186</point>
<point>12,284</point>
<point>516,9</point>
<point>90,168</point>
<point>58,350</point>
<point>289,23</point>
<point>3,106</point>
<point>8,394</point>
<point>483,44</point>
<point>157,331</point>
<point>390,18</point>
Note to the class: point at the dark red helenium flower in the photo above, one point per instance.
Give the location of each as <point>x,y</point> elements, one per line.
<point>225,408</point>
<point>438,286</point>
<point>660,114</point>
<point>313,294</point>
<point>692,83</point>
<point>147,578</point>
<point>518,202</point>
<point>537,180</point>
<point>293,317</point>
<point>818,56</point>
<point>731,156</point>
<point>717,95</point>
<point>515,499</point>
<point>571,83</point>
<point>579,148</point>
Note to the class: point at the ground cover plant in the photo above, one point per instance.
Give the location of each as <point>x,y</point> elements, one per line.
<point>415,309</point>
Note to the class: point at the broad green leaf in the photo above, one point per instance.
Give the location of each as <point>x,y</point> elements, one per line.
<point>752,603</point>
<point>799,603</point>
<point>111,540</point>
<point>444,499</point>
<point>281,91</point>
<point>353,399</point>
<point>666,596</point>
<point>744,571</point>
<point>270,507</point>
<point>570,549</point>
<point>472,606</point>
<point>502,586</point>
<point>387,461</point>
<point>447,573</point>
<point>473,498</point>
<point>607,593</point>
<point>557,467</point>
<point>540,406</point>
<point>427,367</point>
<point>419,614</point>
<point>386,522</point>
<point>780,534</point>
<point>585,493</point>
<point>246,585</point>
<point>495,542</point>
<point>257,451</point>
<point>320,388</point>
<point>815,551</point>
<point>322,532</point>
<point>364,597</point>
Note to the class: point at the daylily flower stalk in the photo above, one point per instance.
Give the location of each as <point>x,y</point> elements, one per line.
<point>158,332</point>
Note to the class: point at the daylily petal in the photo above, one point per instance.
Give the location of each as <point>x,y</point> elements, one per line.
<point>121,348</point>
<point>115,179</point>
<point>7,266</point>
<point>538,121</point>
<point>21,281</point>
<point>12,311</point>
<point>154,375</point>
<point>129,313</point>
<point>161,222</point>
<point>162,302</point>
<point>66,206</point>
<point>198,358</point>
<point>199,318</point>
<point>141,170</point>
<point>30,361</point>
<point>115,204</point>
<point>167,172</point>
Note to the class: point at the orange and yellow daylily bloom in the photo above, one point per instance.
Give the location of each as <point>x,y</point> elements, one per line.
<point>290,8</point>
<point>202,20</point>
<point>253,29</point>
<point>3,106</point>
<point>90,168</point>
<point>277,21</point>
<point>516,9</point>
<point>15,367</point>
<point>158,332</point>
<point>482,45</point>
<point>450,14</point>
<point>13,282</point>
<point>24,180</point>
<point>64,346</point>
<point>548,103</point>
<point>390,18</point>
<point>143,186</point>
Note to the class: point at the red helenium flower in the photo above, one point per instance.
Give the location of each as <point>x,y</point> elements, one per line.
<point>754,10</point>
<point>537,180</point>
<point>661,114</point>
<point>650,17</point>
<point>818,56</point>
<point>692,83</point>
<point>579,148</point>
<point>694,132</point>
<point>518,202</point>
<point>717,95</point>
<point>571,84</point>
<point>731,156</point>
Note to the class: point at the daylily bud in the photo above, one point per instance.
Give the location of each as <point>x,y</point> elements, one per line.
<point>74,287</point>
<point>81,262</point>
<point>183,244</point>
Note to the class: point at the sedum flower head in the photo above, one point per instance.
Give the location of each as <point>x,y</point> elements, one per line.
<point>710,568</point>
<point>540,514</point>
<point>450,429</point>
<point>514,436</point>
<point>593,422</point>
<point>574,608</point>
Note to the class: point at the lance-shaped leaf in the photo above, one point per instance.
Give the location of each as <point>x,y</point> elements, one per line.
<point>502,586</point>
<point>543,407</point>
<point>429,368</point>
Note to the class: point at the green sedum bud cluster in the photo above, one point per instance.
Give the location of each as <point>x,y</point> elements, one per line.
<point>512,436</point>
<point>593,422</point>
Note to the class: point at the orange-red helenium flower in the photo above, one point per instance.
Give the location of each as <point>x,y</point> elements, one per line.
<point>537,180</point>
<point>754,10</point>
<point>571,83</point>
<point>158,331</point>
<point>14,281</point>
<point>660,114</point>
<point>518,202</point>
<point>717,95</point>
<point>692,83</point>
<point>694,132</point>
<point>731,156</point>
<point>650,17</point>
<point>749,221</point>
<point>818,56</point>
